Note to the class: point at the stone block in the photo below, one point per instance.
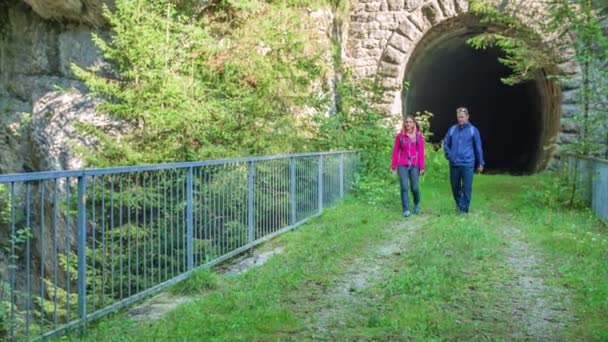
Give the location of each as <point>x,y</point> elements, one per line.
<point>412,5</point>
<point>372,7</point>
<point>362,72</point>
<point>408,30</point>
<point>568,126</point>
<point>569,96</point>
<point>569,110</point>
<point>371,44</point>
<point>570,67</point>
<point>374,53</point>
<point>417,19</point>
<point>384,17</point>
<point>379,34</point>
<point>564,138</point>
<point>572,83</point>
<point>399,17</point>
<point>388,69</point>
<point>356,27</point>
<point>462,6</point>
<point>390,82</point>
<point>373,25</point>
<point>362,17</point>
<point>430,14</point>
<point>395,5</point>
<point>393,56</point>
<point>447,8</point>
<point>400,42</point>
<point>388,98</point>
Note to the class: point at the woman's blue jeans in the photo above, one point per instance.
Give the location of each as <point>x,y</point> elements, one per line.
<point>409,173</point>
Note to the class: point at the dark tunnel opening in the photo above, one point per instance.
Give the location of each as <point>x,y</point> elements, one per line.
<point>450,74</point>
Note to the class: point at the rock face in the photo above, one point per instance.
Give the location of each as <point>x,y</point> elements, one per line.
<point>83,11</point>
<point>41,100</point>
<point>36,82</point>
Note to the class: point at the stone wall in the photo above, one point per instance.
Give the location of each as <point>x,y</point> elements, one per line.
<point>383,35</point>
<point>41,100</point>
<point>37,84</point>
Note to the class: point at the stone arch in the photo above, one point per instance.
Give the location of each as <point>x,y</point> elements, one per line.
<point>389,37</point>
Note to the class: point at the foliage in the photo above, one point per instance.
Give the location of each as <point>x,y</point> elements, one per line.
<point>553,190</point>
<point>12,248</point>
<point>525,51</point>
<point>5,209</point>
<point>186,92</point>
<point>359,125</point>
<point>535,51</point>
<point>585,28</point>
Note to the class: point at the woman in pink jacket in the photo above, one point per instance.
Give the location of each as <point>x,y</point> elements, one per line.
<point>408,162</point>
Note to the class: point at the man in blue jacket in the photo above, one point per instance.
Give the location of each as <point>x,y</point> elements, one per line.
<point>462,146</point>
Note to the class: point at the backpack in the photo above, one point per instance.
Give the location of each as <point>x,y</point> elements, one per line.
<point>451,131</point>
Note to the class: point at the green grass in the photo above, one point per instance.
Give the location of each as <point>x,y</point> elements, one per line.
<point>449,284</point>
<point>254,305</point>
<point>575,242</point>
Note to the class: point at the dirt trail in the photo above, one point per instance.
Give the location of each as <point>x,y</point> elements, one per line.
<point>373,266</point>
<point>539,311</point>
<point>533,310</point>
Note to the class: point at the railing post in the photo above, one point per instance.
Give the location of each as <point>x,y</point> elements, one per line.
<point>82,251</point>
<point>292,189</point>
<point>189,220</point>
<point>341,174</point>
<point>250,204</point>
<point>13,263</point>
<point>320,184</point>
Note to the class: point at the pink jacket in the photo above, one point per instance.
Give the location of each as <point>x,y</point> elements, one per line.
<point>407,152</point>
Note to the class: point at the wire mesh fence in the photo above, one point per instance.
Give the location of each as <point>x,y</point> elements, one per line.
<point>590,176</point>
<point>77,245</point>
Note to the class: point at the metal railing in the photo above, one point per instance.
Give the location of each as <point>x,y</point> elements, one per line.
<point>591,177</point>
<point>80,244</point>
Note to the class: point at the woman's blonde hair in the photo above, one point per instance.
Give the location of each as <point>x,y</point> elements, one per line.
<point>409,116</point>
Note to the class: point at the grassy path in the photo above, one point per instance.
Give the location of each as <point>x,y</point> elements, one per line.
<point>471,277</point>
<point>510,270</point>
<point>342,303</point>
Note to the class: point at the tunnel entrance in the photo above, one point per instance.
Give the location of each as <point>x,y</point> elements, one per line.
<point>516,122</point>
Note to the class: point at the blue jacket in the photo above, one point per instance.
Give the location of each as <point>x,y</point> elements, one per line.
<point>462,146</point>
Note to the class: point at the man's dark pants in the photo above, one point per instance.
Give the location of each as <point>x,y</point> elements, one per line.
<point>461,178</point>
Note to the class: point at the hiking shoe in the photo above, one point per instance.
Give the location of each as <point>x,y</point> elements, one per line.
<point>417,209</point>
<point>407,213</point>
